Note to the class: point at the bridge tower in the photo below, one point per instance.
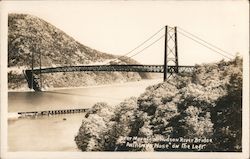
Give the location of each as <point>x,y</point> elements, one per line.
<point>170,52</point>
<point>34,82</point>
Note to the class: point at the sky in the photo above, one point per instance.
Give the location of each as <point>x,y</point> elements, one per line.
<point>116,27</point>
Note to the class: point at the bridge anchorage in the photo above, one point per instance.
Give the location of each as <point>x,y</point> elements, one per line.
<point>170,67</point>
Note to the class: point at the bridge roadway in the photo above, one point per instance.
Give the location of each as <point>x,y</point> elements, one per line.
<point>111,68</point>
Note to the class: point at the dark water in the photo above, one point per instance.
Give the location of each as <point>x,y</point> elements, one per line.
<point>52,133</point>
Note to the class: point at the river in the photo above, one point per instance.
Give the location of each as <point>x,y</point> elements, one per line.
<point>54,133</point>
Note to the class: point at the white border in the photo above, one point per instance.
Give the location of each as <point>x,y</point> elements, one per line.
<point>122,155</point>
<point>3,82</point>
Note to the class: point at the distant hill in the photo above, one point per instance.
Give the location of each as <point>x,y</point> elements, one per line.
<point>28,34</point>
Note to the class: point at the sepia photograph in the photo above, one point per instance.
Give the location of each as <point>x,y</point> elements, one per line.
<point>92,79</point>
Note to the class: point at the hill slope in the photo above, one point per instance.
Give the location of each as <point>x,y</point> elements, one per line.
<point>29,34</point>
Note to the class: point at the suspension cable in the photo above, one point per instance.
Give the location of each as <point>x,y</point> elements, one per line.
<point>205,41</point>
<point>147,46</point>
<point>204,45</point>
<point>119,58</point>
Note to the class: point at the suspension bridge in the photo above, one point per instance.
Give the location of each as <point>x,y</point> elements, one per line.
<point>171,60</point>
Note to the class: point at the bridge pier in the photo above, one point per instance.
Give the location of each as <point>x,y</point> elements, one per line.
<point>32,80</point>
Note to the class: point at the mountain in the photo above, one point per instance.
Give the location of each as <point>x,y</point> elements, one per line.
<point>28,34</point>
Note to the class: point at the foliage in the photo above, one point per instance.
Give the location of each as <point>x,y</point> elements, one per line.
<point>113,123</point>
<point>89,136</point>
<point>227,115</point>
<point>207,104</point>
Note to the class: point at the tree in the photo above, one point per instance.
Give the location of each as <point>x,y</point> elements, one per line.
<point>89,137</point>
<point>227,115</point>
<point>120,125</point>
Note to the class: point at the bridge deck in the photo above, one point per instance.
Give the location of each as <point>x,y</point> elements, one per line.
<point>112,68</point>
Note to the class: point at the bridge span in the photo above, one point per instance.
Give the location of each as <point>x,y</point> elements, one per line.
<point>112,68</point>
<point>171,63</point>
<point>33,80</point>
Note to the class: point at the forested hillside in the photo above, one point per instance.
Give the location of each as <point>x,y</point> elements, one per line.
<point>199,113</point>
<point>28,34</point>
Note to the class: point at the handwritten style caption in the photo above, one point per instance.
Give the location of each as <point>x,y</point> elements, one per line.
<point>197,144</point>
